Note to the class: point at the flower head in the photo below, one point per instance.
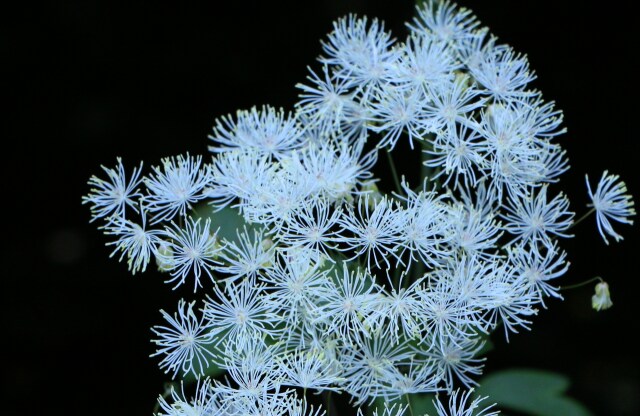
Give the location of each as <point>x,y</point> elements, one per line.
<point>611,202</point>
<point>192,249</point>
<point>175,187</point>
<point>183,342</point>
<point>112,196</point>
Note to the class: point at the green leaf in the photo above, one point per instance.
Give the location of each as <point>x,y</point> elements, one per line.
<point>422,404</point>
<point>532,392</point>
<point>213,370</point>
<point>226,221</point>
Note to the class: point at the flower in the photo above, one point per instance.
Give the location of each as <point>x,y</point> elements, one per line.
<point>445,21</point>
<point>375,231</point>
<point>184,342</point>
<point>175,187</point>
<point>534,218</point>
<point>462,408</point>
<point>352,298</point>
<point>239,312</point>
<point>313,227</point>
<point>246,254</point>
<point>359,50</point>
<point>610,202</point>
<point>134,241</point>
<point>268,131</point>
<point>112,196</point>
<point>193,248</point>
<point>298,284</point>
<point>309,370</point>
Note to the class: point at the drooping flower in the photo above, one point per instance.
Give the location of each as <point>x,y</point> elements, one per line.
<point>611,202</point>
<point>602,298</point>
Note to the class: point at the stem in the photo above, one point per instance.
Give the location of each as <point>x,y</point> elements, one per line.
<point>409,404</point>
<point>417,272</point>
<point>577,285</point>
<point>396,279</point>
<point>426,172</point>
<point>328,402</point>
<point>168,388</point>
<point>591,211</point>
<point>394,173</point>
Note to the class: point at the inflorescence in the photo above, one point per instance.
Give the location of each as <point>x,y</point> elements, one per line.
<point>332,285</point>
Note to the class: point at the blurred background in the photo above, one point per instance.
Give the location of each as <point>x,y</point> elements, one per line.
<point>92,80</point>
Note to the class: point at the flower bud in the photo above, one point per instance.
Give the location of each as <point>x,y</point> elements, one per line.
<point>164,257</point>
<point>602,299</point>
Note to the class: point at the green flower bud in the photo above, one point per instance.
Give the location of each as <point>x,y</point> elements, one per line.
<point>602,299</point>
<point>164,257</point>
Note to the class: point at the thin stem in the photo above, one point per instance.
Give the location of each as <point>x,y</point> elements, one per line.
<point>328,402</point>
<point>591,211</point>
<point>426,172</point>
<point>577,285</point>
<point>418,271</point>
<point>394,173</point>
<point>409,404</point>
<point>396,278</point>
<point>168,388</point>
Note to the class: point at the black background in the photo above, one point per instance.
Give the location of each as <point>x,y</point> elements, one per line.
<point>87,81</point>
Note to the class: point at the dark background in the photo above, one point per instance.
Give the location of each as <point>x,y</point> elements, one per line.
<point>87,81</point>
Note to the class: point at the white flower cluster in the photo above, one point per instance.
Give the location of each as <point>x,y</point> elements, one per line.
<point>333,285</point>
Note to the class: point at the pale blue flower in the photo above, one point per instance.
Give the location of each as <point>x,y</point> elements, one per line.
<point>175,187</point>
<point>372,232</point>
<point>111,197</point>
<point>323,102</point>
<point>298,284</point>
<point>193,249</point>
<point>246,255</point>
<point>370,363</point>
<point>353,296</point>
<point>534,218</point>
<point>539,267</point>
<point>237,175</point>
<point>611,202</point>
<point>504,76</point>
<point>184,343</point>
<point>444,21</point>
<point>457,359</point>
<point>134,241</point>
<point>310,370</point>
<point>462,407</point>
<point>397,110</point>
<point>425,62</point>
<point>359,50</point>
<point>266,130</point>
<point>238,312</point>
<point>314,226</point>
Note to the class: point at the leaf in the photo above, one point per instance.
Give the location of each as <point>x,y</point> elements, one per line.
<point>532,392</point>
<point>213,370</point>
<point>226,221</point>
<point>422,404</point>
